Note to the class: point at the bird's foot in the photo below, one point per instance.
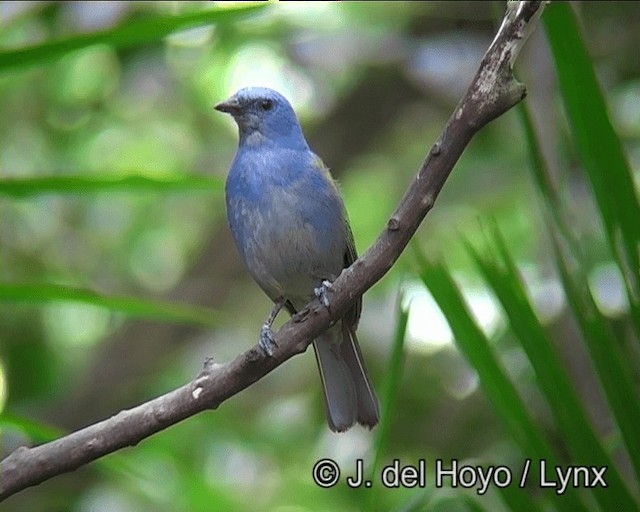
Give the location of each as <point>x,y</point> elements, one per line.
<point>267,339</point>
<point>322,293</point>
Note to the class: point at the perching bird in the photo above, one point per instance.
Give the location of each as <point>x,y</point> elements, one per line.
<point>290,226</point>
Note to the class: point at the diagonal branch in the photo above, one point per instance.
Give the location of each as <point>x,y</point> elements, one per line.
<point>492,92</point>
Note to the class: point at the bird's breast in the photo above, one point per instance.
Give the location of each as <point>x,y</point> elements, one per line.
<point>290,233</point>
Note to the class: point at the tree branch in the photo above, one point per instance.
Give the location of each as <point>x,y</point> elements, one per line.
<point>492,92</point>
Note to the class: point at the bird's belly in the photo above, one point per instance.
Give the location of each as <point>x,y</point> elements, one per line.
<point>284,253</point>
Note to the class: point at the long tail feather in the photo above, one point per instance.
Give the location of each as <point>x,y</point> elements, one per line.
<point>349,396</point>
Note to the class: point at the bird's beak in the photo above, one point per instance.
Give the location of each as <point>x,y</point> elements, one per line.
<point>230,106</point>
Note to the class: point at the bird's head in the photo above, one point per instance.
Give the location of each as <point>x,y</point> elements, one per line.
<point>264,116</point>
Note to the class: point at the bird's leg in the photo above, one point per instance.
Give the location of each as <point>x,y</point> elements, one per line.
<point>322,292</point>
<point>267,340</point>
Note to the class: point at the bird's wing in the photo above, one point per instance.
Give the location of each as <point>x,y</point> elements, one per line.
<point>350,255</point>
<point>352,317</point>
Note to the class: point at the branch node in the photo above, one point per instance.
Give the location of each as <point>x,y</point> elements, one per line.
<point>427,201</point>
<point>160,413</point>
<point>393,224</point>
<point>91,444</point>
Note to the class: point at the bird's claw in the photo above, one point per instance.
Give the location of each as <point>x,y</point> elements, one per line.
<point>322,293</point>
<point>267,340</point>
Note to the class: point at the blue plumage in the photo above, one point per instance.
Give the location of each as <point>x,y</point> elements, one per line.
<point>290,226</point>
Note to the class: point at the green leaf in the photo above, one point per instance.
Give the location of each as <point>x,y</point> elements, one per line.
<point>572,420</point>
<point>390,393</point>
<point>132,306</point>
<point>544,182</point>
<point>598,145</point>
<point>475,346</point>
<point>601,152</point>
<point>606,356</point>
<point>26,187</point>
<point>129,34</point>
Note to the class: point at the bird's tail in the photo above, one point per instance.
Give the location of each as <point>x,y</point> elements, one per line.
<point>349,396</point>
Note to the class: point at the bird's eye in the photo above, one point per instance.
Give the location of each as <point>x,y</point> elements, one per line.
<point>266,105</point>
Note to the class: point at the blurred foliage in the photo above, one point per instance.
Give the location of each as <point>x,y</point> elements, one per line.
<point>111,169</point>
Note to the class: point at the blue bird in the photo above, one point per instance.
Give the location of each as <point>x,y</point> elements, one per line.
<point>291,229</point>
